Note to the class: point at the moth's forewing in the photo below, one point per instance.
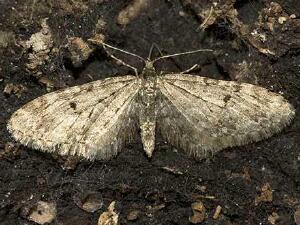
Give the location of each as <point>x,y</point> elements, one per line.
<point>202,115</point>
<point>93,120</point>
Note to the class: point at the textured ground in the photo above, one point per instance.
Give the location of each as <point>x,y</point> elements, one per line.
<point>253,41</point>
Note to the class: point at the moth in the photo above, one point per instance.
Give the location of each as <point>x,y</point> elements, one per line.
<point>196,114</point>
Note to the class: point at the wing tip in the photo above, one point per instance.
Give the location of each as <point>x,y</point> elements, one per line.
<point>251,137</point>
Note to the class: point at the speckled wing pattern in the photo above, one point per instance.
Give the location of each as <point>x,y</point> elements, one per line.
<point>196,114</point>
<point>93,120</point>
<point>202,115</point>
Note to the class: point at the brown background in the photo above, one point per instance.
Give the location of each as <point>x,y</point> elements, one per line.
<point>234,176</point>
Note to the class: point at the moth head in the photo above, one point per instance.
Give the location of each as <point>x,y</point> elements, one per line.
<point>149,70</point>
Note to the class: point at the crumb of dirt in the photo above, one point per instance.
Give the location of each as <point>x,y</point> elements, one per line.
<point>273,218</point>
<point>101,25</point>
<point>133,215</point>
<point>132,11</point>
<point>79,49</point>
<point>201,188</point>
<point>42,40</point>
<point>42,212</point>
<point>110,216</point>
<point>89,202</point>
<point>6,38</point>
<point>16,89</point>
<point>41,44</point>
<point>282,19</point>
<point>151,209</point>
<point>199,212</point>
<point>97,39</point>
<point>266,194</point>
<point>46,81</point>
<point>297,216</point>
<point>10,149</point>
<point>217,10</point>
<point>67,163</point>
<point>271,41</point>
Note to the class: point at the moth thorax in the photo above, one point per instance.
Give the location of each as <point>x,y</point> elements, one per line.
<point>150,84</point>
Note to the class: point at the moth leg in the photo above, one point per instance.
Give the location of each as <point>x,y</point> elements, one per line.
<point>121,61</point>
<point>104,45</point>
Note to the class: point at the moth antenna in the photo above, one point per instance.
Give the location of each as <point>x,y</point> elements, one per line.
<point>183,53</point>
<point>154,45</point>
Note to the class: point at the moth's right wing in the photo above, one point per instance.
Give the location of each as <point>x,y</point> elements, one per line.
<point>202,115</point>
<point>93,120</point>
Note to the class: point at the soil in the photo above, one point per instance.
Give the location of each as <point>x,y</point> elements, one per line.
<point>253,41</point>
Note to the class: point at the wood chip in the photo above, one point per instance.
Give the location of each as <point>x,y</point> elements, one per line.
<point>217,212</point>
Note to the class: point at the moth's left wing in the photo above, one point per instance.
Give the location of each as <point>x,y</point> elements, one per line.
<point>93,120</point>
<point>202,115</point>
